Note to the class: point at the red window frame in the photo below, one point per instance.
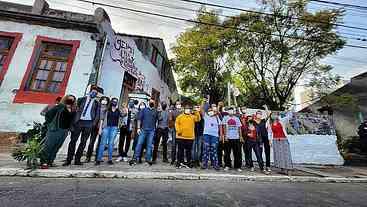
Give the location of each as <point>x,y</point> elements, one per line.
<point>25,96</point>
<point>17,37</point>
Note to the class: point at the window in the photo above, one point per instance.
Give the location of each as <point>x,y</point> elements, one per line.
<point>8,44</point>
<point>48,71</point>
<point>157,59</point>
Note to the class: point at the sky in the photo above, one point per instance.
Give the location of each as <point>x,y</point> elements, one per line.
<point>348,62</point>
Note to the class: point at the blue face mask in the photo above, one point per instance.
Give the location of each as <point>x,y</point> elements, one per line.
<point>93,94</point>
<point>113,103</point>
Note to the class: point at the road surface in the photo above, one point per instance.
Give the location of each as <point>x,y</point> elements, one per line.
<point>36,192</point>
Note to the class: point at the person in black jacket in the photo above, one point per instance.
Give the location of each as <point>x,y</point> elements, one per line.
<point>87,116</point>
<point>58,122</point>
<point>262,131</point>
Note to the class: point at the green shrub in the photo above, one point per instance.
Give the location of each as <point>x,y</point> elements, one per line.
<point>29,152</point>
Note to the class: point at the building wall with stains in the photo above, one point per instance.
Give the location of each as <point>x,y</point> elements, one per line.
<point>16,117</point>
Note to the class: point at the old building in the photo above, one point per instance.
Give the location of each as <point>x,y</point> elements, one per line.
<point>347,116</point>
<point>46,53</point>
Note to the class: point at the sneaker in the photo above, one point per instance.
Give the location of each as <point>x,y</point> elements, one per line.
<point>204,167</point>
<point>217,168</point>
<point>266,172</point>
<point>78,162</point>
<point>66,163</point>
<point>149,163</point>
<point>119,159</point>
<point>173,163</point>
<point>44,166</point>
<point>110,162</point>
<point>252,169</point>
<point>184,165</point>
<point>268,169</point>
<point>165,160</point>
<point>97,163</point>
<point>132,162</point>
<point>226,168</point>
<point>87,160</point>
<point>125,159</point>
<point>239,170</point>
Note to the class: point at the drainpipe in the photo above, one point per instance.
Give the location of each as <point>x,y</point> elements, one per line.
<point>105,42</point>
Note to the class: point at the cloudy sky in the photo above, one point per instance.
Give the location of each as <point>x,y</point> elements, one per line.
<point>348,62</point>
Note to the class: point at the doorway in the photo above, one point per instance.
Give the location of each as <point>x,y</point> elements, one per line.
<point>128,86</point>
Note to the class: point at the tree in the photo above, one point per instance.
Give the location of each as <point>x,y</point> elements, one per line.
<point>273,52</point>
<point>323,82</point>
<point>199,58</point>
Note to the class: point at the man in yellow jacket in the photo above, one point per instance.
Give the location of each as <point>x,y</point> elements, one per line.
<point>185,135</point>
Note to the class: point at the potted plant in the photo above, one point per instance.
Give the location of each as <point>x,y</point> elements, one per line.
<point>29,152</point>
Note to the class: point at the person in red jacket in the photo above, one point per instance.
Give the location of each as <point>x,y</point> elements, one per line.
<point>281,148</point>
<point>253,143</point>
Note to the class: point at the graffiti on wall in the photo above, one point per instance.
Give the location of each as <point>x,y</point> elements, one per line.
<point>124,53</point>
<point>305,123</point>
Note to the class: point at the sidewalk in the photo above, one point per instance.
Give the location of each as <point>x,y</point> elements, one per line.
<point>10,167</point>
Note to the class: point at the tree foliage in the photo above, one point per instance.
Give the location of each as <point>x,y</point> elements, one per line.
<point>199,59</point>
<point>265,55</point>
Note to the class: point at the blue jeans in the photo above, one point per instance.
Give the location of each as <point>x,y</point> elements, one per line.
<point>174,145</point>
<point>210,150</point>
<point>196,148</point>
<point>108,136</point>
<point>148,136</point>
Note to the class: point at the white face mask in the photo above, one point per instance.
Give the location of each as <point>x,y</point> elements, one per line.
<point>104,102</point>
<point>142,106</point>
<point>187,111</point>
<point>230,112</point>
<point>215,109</point>
<point>178,106</point>
<point>211,113</point>
<point>259,116</point>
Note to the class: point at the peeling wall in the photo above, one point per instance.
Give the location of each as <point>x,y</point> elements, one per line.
<point>16,117</point>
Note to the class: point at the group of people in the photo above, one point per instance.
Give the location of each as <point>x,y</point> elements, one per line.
<point>205,136</point>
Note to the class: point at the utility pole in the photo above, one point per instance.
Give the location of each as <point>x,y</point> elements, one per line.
<point>229,93</point>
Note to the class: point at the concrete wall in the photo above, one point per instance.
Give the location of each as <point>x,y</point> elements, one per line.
<point>112,74</point>
<point>16,117</point>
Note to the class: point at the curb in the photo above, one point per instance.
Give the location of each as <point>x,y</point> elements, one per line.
<point>54,173</point>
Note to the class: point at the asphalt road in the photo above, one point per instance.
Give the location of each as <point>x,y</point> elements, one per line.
<point>36,192</point>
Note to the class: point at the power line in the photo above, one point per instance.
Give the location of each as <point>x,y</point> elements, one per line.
<point>209,24</point>
<point>341,4</point>
<point>268,14</point>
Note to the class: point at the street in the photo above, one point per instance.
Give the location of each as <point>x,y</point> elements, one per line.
<point>37,192</point>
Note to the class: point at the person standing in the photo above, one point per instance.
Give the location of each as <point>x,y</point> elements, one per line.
<point>244,118</point>
<point>199,133</point>
<point>58,121</point>
<point>127,131</point>
<point>50,106</point>
<point>221,114</point>
<point>87,116</point>
<point>281,148</point>
<point>110,127</point>
<point>172,122</point>
<point>147,120</point>
<point>233,139</point>
<point>104,102</point>
<point>162,132</point>
<point>185,135</point>
<point>211,134</point>
<point>253,143</point>
<point>262,130</point>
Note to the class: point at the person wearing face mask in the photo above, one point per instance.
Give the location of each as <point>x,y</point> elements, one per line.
<point>199,130</point>
<point>185,135</point>
<point>125,138</point>
<point>87,116</point>
<point>58,121</point>
<point>233,139</point>
<point>147,121</point>
<point>281,147</point>
<point>211,134</point>
<point>261,127</point>
<point>162,132</point>
<point>110,127</point>
<point>221,115</point>
<point>244,118</point>
<point>97,130</point>
<point>140,108</point>
<point>173,114</point>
